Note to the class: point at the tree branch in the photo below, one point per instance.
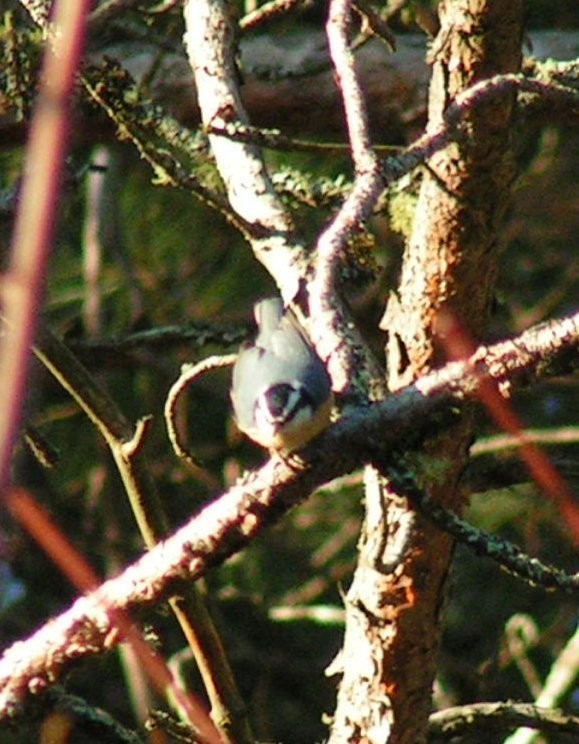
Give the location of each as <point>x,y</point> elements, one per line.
<point>560,679</point>
<point>209,39</point>
<point>479,719</point>
<point>232,521</point>
<point>336,337</point>
<point>509,556</point>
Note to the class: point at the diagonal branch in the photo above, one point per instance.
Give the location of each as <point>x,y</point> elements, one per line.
<point>208,38</point>
<point>23,283</point>
<point>232,521</point>
<point>506,554</point>
<point>125,443</point>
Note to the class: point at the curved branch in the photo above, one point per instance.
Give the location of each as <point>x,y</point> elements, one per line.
<point>337,340</point>
<point>189,373</point>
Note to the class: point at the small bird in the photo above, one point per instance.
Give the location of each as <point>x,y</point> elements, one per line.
<point>281,391</point>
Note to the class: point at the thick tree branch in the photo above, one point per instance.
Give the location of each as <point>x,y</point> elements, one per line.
<point>232,521</point>
<point>209,39</point>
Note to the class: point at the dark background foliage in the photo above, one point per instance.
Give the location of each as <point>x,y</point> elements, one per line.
<point>168,260</point>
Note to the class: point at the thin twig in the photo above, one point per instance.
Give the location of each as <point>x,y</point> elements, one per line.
<point>163,337</point>
<point>273,139</point>
<point>497,442</point>
<point>107,11</point>
<point>560,679</point>
<point>475,719</point>
<point>189,374</point>
<point>336,340</point>
<point>374,23</point>
<point>269,11</point>
<point>507,555</point>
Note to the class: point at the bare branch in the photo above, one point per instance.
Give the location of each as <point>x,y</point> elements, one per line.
<point>561,677</point>
<point>479,719</point>
<point>270,10</point>
<point>336,339</point>
<point>209,40</point>
<point>559,435</point>
<point>226,525</point>
<point>509,556</point>
<point>189,373</point>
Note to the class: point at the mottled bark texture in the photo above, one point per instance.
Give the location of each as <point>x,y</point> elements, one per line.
<point>450,263</point>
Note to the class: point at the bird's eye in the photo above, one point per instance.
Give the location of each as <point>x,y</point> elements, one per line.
<point>278,400</point>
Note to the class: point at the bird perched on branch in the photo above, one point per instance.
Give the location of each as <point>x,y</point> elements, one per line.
<point>281,391</point>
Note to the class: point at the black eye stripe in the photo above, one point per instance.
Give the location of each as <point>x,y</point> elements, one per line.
<point>278,398</point>
<point>280,403</point>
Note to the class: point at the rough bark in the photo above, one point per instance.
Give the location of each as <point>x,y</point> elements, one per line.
<point>449,265</point>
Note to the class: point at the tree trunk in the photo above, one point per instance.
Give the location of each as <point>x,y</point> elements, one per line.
<point>395,601</point>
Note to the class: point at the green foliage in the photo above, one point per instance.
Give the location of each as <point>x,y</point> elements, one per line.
<point>20,50</point>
